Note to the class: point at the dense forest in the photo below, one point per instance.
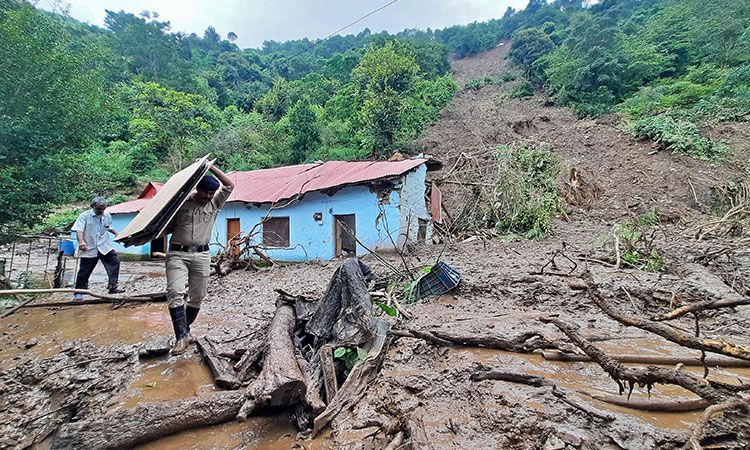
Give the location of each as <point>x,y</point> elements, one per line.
<point>88,110</point>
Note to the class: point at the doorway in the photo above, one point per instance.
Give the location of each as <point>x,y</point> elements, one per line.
<point>344,232</point>
<point>233,232</point>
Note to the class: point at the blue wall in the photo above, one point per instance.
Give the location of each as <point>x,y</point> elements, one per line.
<point>119,221</point>
<point>311,238</point>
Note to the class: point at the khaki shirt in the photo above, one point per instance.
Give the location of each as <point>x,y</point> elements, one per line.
<point>193,222</point>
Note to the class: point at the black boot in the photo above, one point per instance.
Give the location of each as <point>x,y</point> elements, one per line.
<point>191,313</point>
<point>179,322</point>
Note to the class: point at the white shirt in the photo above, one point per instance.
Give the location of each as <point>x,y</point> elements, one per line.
<point>95,233</point>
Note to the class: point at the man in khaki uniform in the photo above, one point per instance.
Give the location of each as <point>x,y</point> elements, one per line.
<point>188,259</point>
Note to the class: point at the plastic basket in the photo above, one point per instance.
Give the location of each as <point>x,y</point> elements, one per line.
<point>440,279</point>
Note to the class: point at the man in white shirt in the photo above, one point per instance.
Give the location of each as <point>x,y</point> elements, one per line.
<point>94,245</point>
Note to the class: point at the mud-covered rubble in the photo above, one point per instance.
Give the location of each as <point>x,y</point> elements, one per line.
<point>40,395</point>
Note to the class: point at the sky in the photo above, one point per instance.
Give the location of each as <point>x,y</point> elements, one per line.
<point>255,21</point>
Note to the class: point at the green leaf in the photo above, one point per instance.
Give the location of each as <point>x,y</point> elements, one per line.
<point>391,311</point>
<point>361,353</point>
<point>339,352</point>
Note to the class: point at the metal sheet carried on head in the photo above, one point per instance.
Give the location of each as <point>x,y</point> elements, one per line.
<point>155,216</point>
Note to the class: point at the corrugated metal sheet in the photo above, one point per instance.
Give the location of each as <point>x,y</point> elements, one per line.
<point>282,183</point>
<point>137,204</point>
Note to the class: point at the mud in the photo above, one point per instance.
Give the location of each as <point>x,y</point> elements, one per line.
<point>423,389</point>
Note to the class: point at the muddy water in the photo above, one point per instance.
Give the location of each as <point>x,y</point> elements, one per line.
<point>156,379</point>
<point>587,376</point>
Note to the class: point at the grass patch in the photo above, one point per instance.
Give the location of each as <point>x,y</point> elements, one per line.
<point>634,241</point>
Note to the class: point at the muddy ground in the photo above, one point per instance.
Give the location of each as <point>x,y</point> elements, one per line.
<point>424,389</point>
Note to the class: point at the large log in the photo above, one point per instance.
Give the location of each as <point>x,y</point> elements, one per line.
<point>281,381</point>
<point>148,422</point>
<point>672,405</point>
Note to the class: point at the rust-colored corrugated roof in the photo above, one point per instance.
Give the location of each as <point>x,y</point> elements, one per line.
<point>136,205</point>
<point>282,183</point>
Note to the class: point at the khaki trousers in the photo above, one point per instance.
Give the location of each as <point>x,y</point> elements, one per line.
<point>191,270</point>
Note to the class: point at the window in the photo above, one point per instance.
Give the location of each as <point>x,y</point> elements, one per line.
<point>276,232</point>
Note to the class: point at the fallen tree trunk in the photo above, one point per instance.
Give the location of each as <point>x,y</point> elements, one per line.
<point>148,298</point>
<point>665,360</point>
<point>711,391</point>
<point>537,381</point>
<point>280,382</point>
<point>149,422</point>
<point>651,404</point>
<point>667,332</point>
<point>224,376</point>
<point>524,343</point>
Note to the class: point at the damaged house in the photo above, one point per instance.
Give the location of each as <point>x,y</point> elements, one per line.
<point>320,210</point>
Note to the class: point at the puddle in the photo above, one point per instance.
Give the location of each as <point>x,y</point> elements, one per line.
<point>155,379</point>
<point>590,377</point>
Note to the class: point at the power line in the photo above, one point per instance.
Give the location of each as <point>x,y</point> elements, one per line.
<point>343,28</point>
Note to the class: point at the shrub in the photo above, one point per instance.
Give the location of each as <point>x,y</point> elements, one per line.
<point>57,221</point>
<point>508,75</point>
<point>678,136</point>
<point>522,89</point>
<point>522,198</point>
<point>473,84</point>
<point>635,249</point>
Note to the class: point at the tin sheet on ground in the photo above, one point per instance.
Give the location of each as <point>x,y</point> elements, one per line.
<point>155,216</point>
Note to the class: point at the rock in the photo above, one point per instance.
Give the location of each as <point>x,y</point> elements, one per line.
<point>205,389</point>
<point>554,443</point>
<point>30,343</point>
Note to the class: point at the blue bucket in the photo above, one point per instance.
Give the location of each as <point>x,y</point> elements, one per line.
<point>67,247</point>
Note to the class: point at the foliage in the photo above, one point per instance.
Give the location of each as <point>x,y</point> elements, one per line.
<point>528,46</point>
<point>679,136</point>
<point>523,198</point>
<point>473,85</point>
<point>634,243</point>
<point>57,221</point>
<point>53,105</point>
<point>164,121</point>
<point>522,89</point>
<point>305,135</point>
<point>350,356</point>
<point>507,76</point>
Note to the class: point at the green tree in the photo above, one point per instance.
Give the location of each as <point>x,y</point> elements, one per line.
<point>528,46</point>
<point>385,77</point>
<point>305,134</point>
<point>164,121</point>
<point>53,104</point>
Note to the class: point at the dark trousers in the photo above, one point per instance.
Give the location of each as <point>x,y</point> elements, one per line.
<point>111,264</point>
